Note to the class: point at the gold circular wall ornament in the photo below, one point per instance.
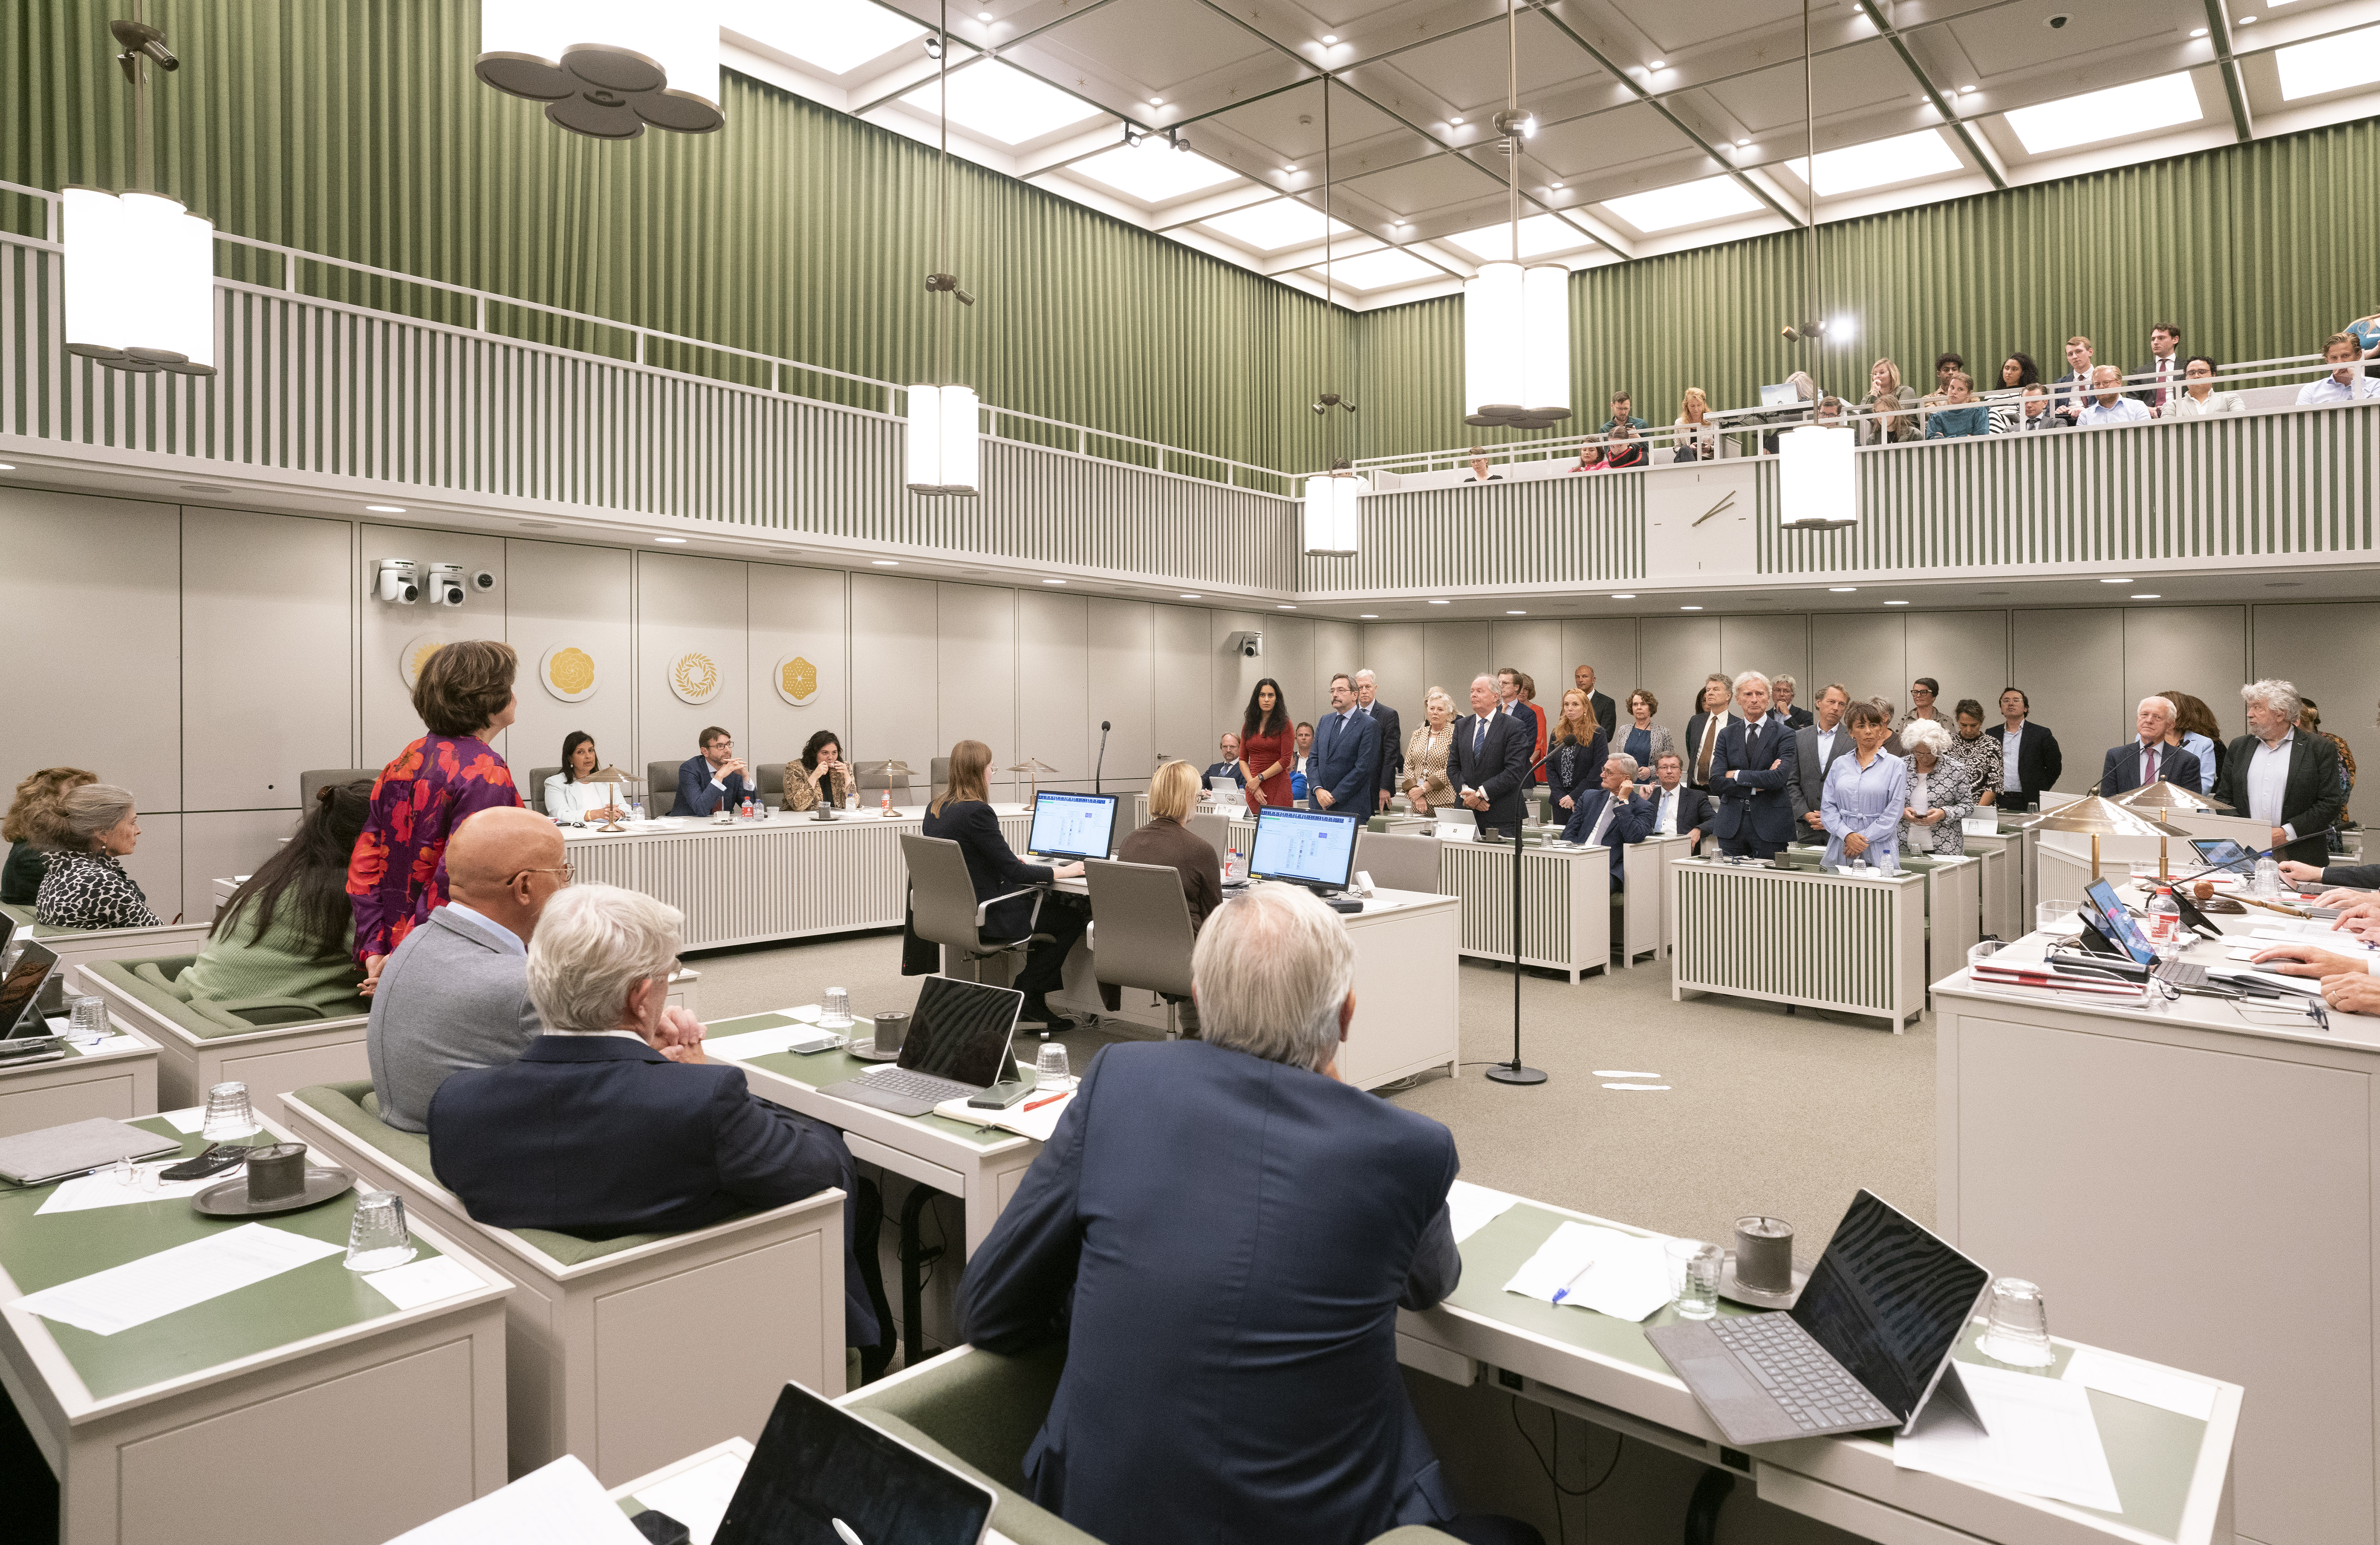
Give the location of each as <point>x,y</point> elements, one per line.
<point>416,654</point>
<point>568,672</point>
<point>798,681</point>
<point>695,677</point>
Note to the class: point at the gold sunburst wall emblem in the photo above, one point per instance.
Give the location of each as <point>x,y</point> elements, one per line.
<point>568,672</point>
<point>693,676</point>
<point>798,681</point>
<point>415,656</point>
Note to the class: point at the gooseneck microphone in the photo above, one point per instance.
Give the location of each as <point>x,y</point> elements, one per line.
<point>1104,727</point>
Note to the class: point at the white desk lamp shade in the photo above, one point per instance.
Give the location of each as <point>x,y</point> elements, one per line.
<point>662,53</point>
<point>942,440</point>
<point>139,282</point>
<point>1332,524</point>
<point>1816,485</point>
<point>1516,339</point>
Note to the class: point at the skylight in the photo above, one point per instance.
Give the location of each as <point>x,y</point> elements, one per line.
<point>838,36</point>
<point>2332,64</point>
<point>1540,234</point>
<point>1268,227</point>
<point>2110,115</point>
<point>1002,104</point>
<point>1379,270</point>
<point>1903,158</point>
<point>1689,204</point>
<point>1153,172</point>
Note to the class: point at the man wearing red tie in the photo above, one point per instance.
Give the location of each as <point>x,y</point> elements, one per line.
<point>2148,759</point>
<point>2159,381</point>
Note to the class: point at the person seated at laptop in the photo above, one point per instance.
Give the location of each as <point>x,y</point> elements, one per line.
<point>612,1121</point>
<point>964,814</point>
<point>455,993</point>
<point>1223,1232</point>
<point>90,833</point>
<point>288,932</point>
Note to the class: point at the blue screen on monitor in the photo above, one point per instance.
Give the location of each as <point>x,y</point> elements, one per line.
<point>1314,848</point>
<point>1072,825</point>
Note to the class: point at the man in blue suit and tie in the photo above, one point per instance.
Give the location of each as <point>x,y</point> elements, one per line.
<point>1488,764</point>
<point>1614,815</point>
<point>1752,776</point>
<point>2148,759</point>
<point>715,780</point>
<point>1222,1232</point>
<point>1345,767</point>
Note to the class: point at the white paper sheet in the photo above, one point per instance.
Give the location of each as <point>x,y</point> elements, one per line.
<point>1650,1087</point>
<point>117,1042</point>
<point>2042,1439</point>
<point>2160,1387</point>
<point>1622,1073</point>
<point>698,1497</point>
<point>560,1504</point>
<point>187,1122</point>
<point>1475,1206</point>
<point>90,1191</point>
<point>423,1281</point>
<point>1623,1275</point>
<point>756,1043</point>
<point>1035,1117</point>
<point>154,1287</point>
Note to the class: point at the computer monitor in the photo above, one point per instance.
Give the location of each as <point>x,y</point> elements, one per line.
<point>1307,847</point>
<point>1888,1299</point>
<point>20,992</point>
<point>823,1475</point>
<point>2224,855</point>
<point>961,1029</point>
<point>2110,916</point>
<point>1072,825</point>
<point>1780,395</point>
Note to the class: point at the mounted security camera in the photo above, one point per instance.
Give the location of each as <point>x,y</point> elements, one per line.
<point>399,581</point>
<point>139,37</point>
<point>484,580</point>
<point>445,584</point>
<point>1248,646</point>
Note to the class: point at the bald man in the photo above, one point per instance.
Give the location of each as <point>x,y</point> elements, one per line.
<point>455,993</point>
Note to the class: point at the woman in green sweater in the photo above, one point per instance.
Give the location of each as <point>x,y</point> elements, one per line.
<point>287,933</point>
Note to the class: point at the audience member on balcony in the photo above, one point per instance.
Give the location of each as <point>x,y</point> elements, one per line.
<point>1590,456</point>
<point>2033,411</point>
<point>1479,472</point>
<point>1624,450</point>
<point>2195,731</point>
<point>2345,382</point>
<point>2365,330</point>
<point>1830,412</point>
<point>1956,415</point>
<point>1890,410</point>
<point>1944,364</point>
<point>2070,392</point>
<point>2198,398</point>
<point>1697,437</point>
<point>1621,414</point>
<point>2108,404</point>
<point>2159,381</point>
<point>2016,372</point>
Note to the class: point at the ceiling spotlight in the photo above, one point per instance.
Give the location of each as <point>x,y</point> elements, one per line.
<point>1441,603</point>
<point>1558,187</point>
<point>1284,606</point>
<point>1802,331</point>
<point>886,563</point>
<point>1689,608</point>
<point>1403,224</point>
<point>1658,64</point>
<point>8,466</point>
<point>386,509</point>
<point>1053,582</point>
<point>2198,32</point>
<point>1966,90</point>
<point>2246,19</point>
<point>2150,596</point>
<point>1625,595</point>
<point>1291,168</point>
<point>1456,122</point>
<point>1896,603</point>
<point>934,46</point>
<point>983,16</point>
<point>1368,616</point>
<point>673,542</point>
<point>1743,144</point>
<point>1843,590</point>
<point>1156,102</point>
<point>1516,613</point>
<point>1187,596</point>
<point>1133,134</point>
<point>1330,38</point>
<point>2115,581</point>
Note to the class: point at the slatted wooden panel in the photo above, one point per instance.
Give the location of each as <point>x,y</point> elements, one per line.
<point>1789,939</point>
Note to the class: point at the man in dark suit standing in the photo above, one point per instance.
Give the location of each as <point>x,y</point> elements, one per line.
<point>1815,746</point>
<point>1392,743</point>
<point>598,1131</point>
<point>1345,767</point>
<point>2149,760</point>
<point>2282,775</point>
<point>1489,760</point>
<point>1222,1232</point>
<point>1751,774</point>
<point>1605,714</point>
<point>2035,764</point>
<point>715,780</point>
<point>1613,816</point>
<point>2070,392</point>
<point>1781,692</point>
<point>1679,810</point>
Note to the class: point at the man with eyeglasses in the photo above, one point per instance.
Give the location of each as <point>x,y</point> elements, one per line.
<point>455,993</point>
<point>715,780</point>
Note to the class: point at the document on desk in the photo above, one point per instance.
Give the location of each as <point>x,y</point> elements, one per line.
<point>2043,1440</point>
<point>1475,1206</point>
<point>417,1282</point>
<point>1035,1117</point>
<point>698,1498</point>
<point>91,1191</point>
<point>1623,1275</point>
<point>560,1504</point>
<point>154,1287</point>
<point>2161,1387</point>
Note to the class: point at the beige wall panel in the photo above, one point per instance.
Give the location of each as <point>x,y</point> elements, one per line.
<point>1054,684</point>
<point>976,678</point>
<point>1966,651</point>
<point>796,611</point>
<point>389,721</point>
<point>2199,649</point>
<point>562,595</point>
<point>1454,652</point>
<point>1773,646</point>
<point>1398,655</point>
<point>1868,652</point>
<point>2071,666</point>
<point>688,605</point>
<point>222,844</point>
<point>2330,652</point>
<point>894,713</point>
<point>1121,643</point>
<point>1182,685</point>
<point>1292,659</point>
<point>1679,652</point>
<point>267,647</point>
<point>1235,676</point>
<point>1533,646</point>
<point>89,596</point>
<point>1610,645</point>
<point>1338,646</point>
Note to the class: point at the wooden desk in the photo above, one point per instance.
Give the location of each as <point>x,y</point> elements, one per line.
<point>302,1410</point>
<point>116,1078</point>
<point>1645,916</point>
<point>1808,936</point>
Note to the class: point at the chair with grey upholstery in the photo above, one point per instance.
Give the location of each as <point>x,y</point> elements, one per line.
<point>1142,936</point>
<point>661,785</point>
<point>1398,863</point>
<point>943,910</point>
<point>772,783</point>
<point>310,783</point>
<point>938,776</point>
<point>1216,829</point>
<point>533,792</point>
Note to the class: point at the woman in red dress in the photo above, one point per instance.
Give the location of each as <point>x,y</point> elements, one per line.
<point>1268,747</point>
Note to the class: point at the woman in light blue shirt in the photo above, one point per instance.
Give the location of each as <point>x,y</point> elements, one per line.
<point>1864,795</point>
<point>567,797</point>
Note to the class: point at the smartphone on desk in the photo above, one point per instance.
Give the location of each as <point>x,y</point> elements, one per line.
<point>1000,1095</point>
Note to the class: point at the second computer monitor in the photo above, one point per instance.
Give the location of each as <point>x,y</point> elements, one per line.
<point>1307,847</point>
<point>1072,825</point>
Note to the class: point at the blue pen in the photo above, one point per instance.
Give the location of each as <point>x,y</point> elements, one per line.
<point>1562,1293</point>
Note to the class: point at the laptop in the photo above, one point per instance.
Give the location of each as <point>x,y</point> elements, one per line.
<point>24,1029</point>
<point>1780,395</point>
<point>1072,825</point>
<point>821,1475</point>
<point>1865,1346</point>
<point>2222,855</point>
<point>1314,848</point>
<point>78,1148</point>
<point>2119,937</point>
<point>957,1046</point>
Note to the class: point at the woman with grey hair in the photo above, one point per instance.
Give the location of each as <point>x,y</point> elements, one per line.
<point>1940,794</point>
<point>90,832</point>
<point>1426,753</point>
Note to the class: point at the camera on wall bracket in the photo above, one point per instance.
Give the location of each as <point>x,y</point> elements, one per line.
<point>447,584</point>
<point>1247,646</point>
<point>399,580</point>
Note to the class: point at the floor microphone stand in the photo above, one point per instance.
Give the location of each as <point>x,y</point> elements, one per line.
<point>1515,1072</point>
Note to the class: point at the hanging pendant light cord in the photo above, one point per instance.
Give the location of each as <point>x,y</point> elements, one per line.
<point>1810,178</point>
<point>942,202</point>
<point>144,165</point>
<point>1512,105</point>
<point>1330,282</point>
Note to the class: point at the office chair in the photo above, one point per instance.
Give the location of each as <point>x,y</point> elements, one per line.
<point>533,793</point>
<point>661,782</point>
<point>1399,863</point>
<point>1144,936</point>
<point>943,910</point>
<point>772,783</point>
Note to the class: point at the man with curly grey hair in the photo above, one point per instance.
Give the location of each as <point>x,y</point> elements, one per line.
<point>2281,775</point>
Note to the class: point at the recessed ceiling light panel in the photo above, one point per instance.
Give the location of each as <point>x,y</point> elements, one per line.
<point>2113,113</point>
<point>998,103</point>
<point>2333,64</point>
<point>1687,203</point>
<point>838,36</point>
<point>1272,225</point>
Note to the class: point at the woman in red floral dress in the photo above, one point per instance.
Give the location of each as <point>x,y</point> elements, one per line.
<point>397,876</point>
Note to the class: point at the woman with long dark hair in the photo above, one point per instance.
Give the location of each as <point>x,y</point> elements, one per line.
<point>1268,746</point>
<point>821,775</point>
<point>289,930</point>
<point>569,794</point>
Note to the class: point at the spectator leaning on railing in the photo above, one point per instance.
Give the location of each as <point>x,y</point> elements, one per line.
<point>1958,414</point>
<point>2345,382</point>
<point>1890,410</point>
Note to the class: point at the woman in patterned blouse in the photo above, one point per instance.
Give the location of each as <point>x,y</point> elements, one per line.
<point>398,874</point>
<point>1975,755</point>
<point>85,886</point>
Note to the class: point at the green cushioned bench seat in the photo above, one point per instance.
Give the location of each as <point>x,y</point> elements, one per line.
<point>151,982</point>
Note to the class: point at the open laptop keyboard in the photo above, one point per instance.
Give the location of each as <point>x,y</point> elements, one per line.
<point>1812,1387</point>
<point>2180,974</point>
<point>913,1085</point>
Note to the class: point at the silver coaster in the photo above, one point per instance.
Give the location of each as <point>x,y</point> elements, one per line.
<point>1729,1288</point>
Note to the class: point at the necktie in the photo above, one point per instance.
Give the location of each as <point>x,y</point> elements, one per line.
<point>1479,736</point>
<point>1668,814</point>
<point>1702,757</point>
<point>2148,775</point>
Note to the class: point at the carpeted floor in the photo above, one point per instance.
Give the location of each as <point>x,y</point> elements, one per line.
<point>1766,1112</point>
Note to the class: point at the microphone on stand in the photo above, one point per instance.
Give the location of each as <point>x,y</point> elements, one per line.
<point>1515,1072</point>
<point>1103,758</point>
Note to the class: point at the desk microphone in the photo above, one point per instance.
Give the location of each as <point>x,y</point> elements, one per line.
<point>1103,757</point>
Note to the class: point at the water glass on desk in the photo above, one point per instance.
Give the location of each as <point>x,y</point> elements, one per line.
<point>1694,1269</point>
<point>1049,1068</point>
<point>2057,916</point>
<point>86,1018</point>
<point>2016,1325</point>
<point>377,1237</point>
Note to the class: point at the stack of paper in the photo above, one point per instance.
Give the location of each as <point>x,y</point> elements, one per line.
<point>560,1504</point>
<point>2039,1437</point>
<point>1623,1275</point>
<point>1475,1206</point>
<point>86,1192</point>
<point>154,1287</point>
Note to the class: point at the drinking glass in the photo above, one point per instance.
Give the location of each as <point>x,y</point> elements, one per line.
<point>834,1012</point>
<point>86,1018</point>
<point>1698,1298</point>
<point>378,1239</point>
<point>2016,1325</point>
<point>2267,880</point>
<point>228,1115</point>
<point>1050,1066</point>
<point>2057,916</point>
<point>1982,949</point>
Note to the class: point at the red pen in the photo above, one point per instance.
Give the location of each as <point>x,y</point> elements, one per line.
<point>1051,1100</point>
